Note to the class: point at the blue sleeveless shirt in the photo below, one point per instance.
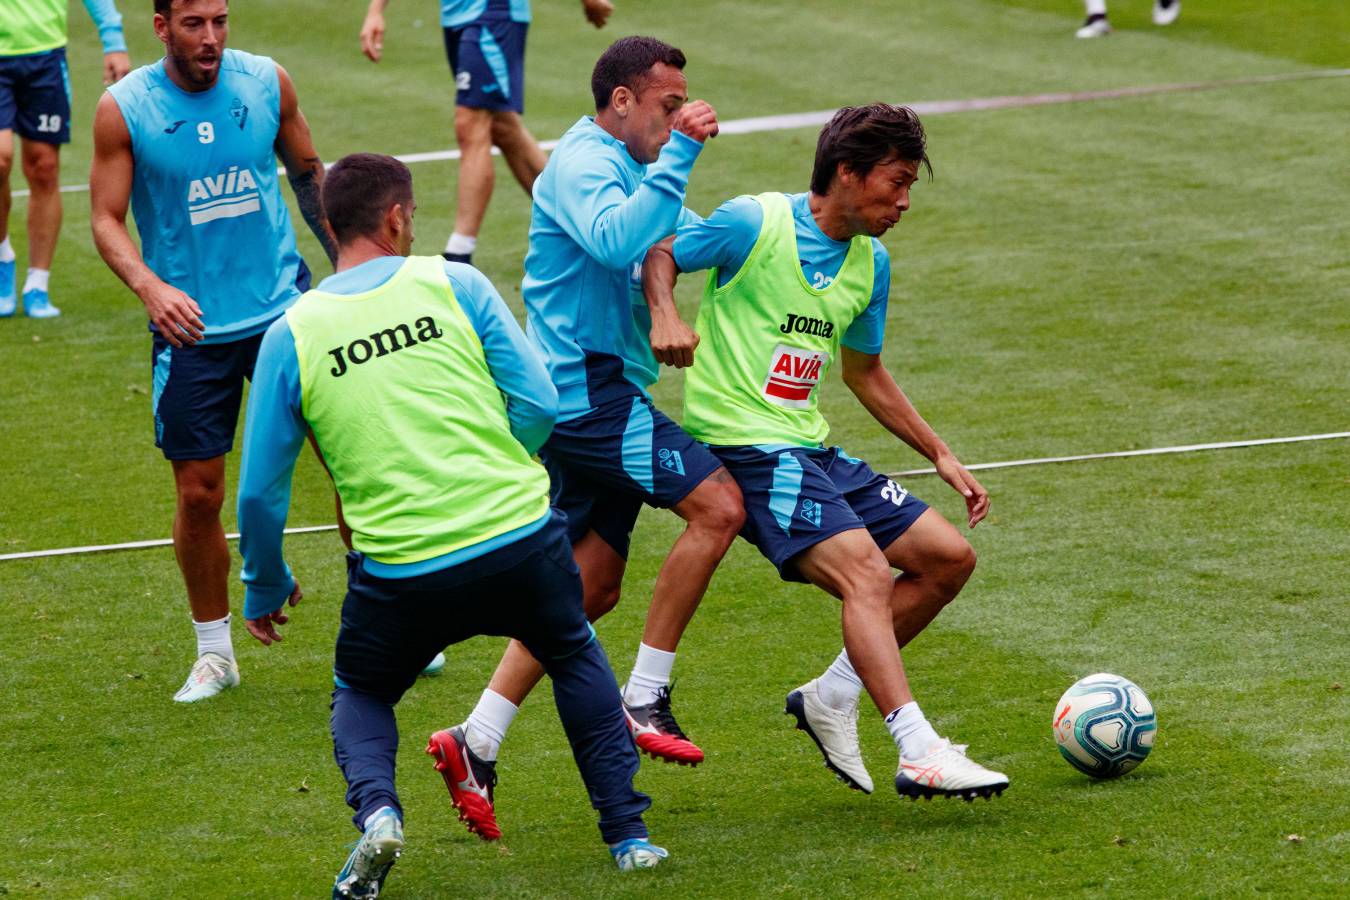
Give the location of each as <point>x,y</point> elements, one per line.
<point>205,194</point>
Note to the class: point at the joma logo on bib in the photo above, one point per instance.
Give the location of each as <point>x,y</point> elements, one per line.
<point>794,373</point>
<point>233,192</point>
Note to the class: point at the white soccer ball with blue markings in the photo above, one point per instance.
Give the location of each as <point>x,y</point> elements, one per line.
<point>1104,725</point>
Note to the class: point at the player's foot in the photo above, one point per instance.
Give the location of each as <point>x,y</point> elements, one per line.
<point>835,732</point>
<point>637,853</point>
<point>1095,26</point>
<point>657,734</point>
<point>374,855</point>
<point>36,305</point>
<point>1165,12</point>
<point>471,781</point>
<point>436,666</point>
<point>947,772</point>
<point>8,298</point>
<point>466,258</point>
<point>211,674</point>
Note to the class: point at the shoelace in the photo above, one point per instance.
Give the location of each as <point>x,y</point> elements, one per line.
<point>662,716</point>
<point>210,670</point>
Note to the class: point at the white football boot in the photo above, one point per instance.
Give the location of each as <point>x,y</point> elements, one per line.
<point>947,772</point>
<point>211,674</point>
<point>1095,26</point>
<point>1165,12</point>
<point>835,732</point>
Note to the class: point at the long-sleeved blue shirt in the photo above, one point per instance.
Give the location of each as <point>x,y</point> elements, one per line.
<point>596,213</point>
<point>275,427</point>
<point>37,26</point>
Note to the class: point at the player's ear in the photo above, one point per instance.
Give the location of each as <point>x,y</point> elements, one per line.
<point>622,100</point>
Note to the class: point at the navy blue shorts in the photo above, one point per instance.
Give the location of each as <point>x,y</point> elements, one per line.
<point>197,393</point>
<point>604,465</point>
<point>392,627</point>
<point>487,57</point>
<point>35,96</point>
<point>796,497</point>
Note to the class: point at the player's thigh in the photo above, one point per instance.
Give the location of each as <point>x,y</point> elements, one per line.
<point>930,544</point>
<point>42,99</point>
<point>844,564</point>
<point>593,512</point>
<point>384,639</point>
<point>538,601</point>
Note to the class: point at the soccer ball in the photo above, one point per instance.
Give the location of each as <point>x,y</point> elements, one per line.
<point>1104,725</point>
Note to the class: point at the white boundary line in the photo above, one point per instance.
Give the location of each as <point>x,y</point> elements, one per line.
<point>923,108</point>
<point>1154,451</point>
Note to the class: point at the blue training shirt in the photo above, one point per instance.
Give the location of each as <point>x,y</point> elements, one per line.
<point>205,193</point>
<point>724,241</point>
<point>458,13</point>
<point>275,428</point>
<point>596,213</point>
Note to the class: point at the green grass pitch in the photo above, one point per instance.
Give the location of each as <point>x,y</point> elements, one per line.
<point>1077,278</point>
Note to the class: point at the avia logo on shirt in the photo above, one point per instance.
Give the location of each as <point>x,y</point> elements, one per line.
<point>232,193</point>
<point>382,343</point>
<point>811,512</point>
<point>670,459</point>
<point>807,325</point>
<point>793,374</point>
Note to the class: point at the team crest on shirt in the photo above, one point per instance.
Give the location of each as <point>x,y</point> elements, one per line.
<point>794,373</point>
<point>239,112</point>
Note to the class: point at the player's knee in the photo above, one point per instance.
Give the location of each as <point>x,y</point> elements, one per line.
<point>42,172</point>
<point>6,163</point>
<point>600,600</point>
<point>473,127</point>
<point>201,500</point>
<point>505,130</point>
<point>955,569</point>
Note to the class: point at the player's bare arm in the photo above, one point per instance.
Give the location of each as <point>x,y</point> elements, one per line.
<point>304,169</point>
<point>372,30</point>
<point>176,315</point>
<point>673,342</point>
<point>875,387</point>
<point>597,11</point>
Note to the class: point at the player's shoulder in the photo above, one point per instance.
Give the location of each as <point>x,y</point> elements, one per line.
<point>139,82</point>
<point>241,63</point>
<point>880,255</point>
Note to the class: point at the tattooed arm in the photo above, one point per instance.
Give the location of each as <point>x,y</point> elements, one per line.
<point>295,146</point>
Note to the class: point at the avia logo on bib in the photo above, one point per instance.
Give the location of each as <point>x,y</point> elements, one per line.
<point>232,193</point>
<point>794,373</point>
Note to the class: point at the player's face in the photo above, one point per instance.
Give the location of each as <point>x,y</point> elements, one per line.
<point>194,35</point>
<point>651,114</point>
<point>879,199</point>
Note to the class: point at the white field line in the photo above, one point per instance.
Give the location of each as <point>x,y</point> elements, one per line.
<point>1154,451</point>
<point>923,108</point>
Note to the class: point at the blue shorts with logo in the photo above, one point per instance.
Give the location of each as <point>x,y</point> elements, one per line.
<point>35,96</point>
<point>487,57</point>
<point>198,389</point>
<point>796,497</point>
<point>605,464</point>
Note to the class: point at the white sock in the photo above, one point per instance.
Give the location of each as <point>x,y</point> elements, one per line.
<point>839,686</point>
<point>486,726</point>
<point>6,251</point>
<point>911,731</point>
<point>37,280</point>
<point>651,672</point>
<point>1096,7</point>
<point>214,637</point>
<point>462,244</point>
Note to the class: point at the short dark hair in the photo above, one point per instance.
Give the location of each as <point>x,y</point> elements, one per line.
<point>627,63</point>
<point>861,137</point>
<point>163,7</point>
<point>359,189</point>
